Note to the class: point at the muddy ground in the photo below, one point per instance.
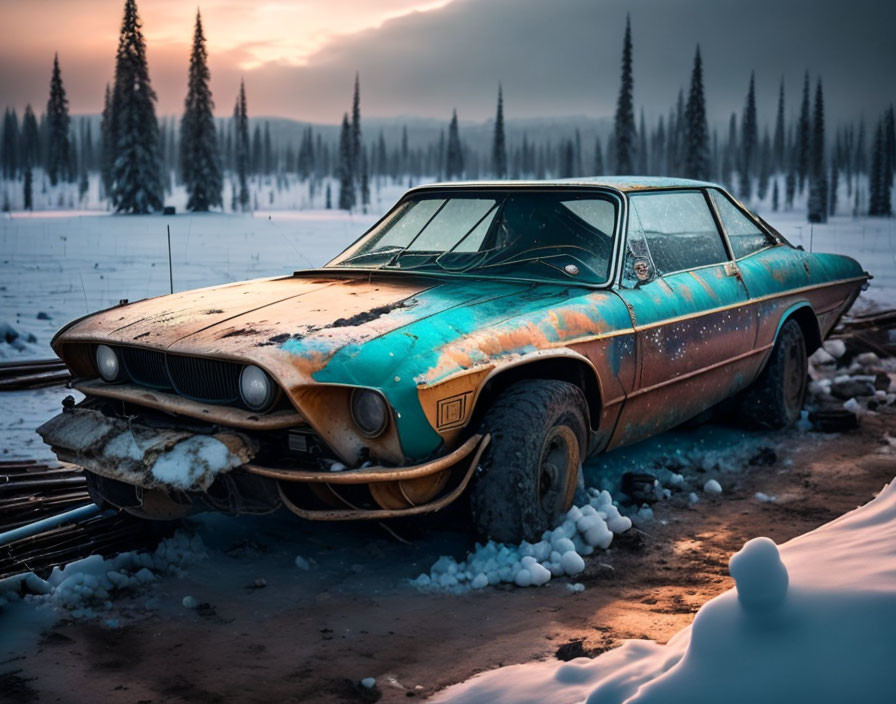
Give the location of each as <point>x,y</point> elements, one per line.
<point>311,636</point>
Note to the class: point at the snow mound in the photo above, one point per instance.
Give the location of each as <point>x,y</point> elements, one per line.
<point>812,621</point>
<point>558,553</point>
<point>82,589</point>
<point>13,342</point>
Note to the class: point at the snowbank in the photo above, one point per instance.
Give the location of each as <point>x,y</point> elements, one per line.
<point>558,553</point>
<point>811,622</point>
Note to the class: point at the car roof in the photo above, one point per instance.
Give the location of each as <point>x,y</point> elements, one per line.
<point>619,183</point>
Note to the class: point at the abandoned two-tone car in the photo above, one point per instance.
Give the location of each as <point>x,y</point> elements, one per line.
<point>480,340</point>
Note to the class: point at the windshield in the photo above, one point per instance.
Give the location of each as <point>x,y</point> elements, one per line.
<point>528,234</point>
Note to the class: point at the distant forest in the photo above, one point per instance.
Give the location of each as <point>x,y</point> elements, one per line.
<point>140,158</point>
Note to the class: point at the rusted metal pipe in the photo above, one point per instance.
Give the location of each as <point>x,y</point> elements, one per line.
<point>26,531</point>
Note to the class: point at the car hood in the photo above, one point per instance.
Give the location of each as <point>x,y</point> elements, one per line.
<point>301,321</point>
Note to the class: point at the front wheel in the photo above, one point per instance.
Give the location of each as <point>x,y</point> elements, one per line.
<point>776,398</point>
<point>528,473</point>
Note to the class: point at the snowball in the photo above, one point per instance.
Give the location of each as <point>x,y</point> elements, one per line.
<point>576,588</point>
<point>337,467</point>
<point>619,523</point>
<point>523,578</point>
<point>189,602</point>
<point>835,348</point>
<point>540,574</point>
<point>760,575</point>
<point>480,581</point>
<point>764,498</point>
<point>564,545</point>
<point>572,563</point>
<point>302,563</point>
<point>712,487</point>
<point>693,498</point>
<point>368,682</point>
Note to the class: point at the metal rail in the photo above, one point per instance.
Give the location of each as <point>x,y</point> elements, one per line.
<point>32,374</point>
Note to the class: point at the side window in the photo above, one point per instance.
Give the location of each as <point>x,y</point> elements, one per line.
<point>744,235</point>
<point>677,229</point>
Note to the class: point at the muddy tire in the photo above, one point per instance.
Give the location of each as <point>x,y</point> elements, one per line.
<point>776,398</point>
<point>527,475</point>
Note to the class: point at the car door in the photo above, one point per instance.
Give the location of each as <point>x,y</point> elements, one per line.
<point>690,309</point>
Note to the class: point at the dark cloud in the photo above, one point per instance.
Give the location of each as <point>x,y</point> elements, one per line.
<point>554,58</point>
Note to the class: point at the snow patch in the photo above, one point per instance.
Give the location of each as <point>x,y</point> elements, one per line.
<point>559,552</point>
<point>194,460</point>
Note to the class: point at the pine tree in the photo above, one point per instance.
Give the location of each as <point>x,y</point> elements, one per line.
<point>729,157</point>
<point>346,187</point>
<point>200,160</point>
<point>818,182</point>
<point>835,184</point>
<point>765,165</point>
<point>775,196</point>
<point>624,126</point>
<point>59,147</point>
<point>27,190</point>
<point>778,147</point>
<point>10,144</point>
<point>889,147</point>
<point>365,181</point>
<point>454,155</point>
<point>598,158</point>
<point>879,193</point>
<point>241,148</point>
<point>29,154</point>
<point>355,144</point>
<point>567,165</point>
<point>136,175</point>
<point>749,142</point>
<point>499,148</point>
<point>803,137</point>
<point>697,130</point>
<point>267,151</point>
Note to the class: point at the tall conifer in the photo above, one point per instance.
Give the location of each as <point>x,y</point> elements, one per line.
<point>697,130</point>
<point>803,137</point>
<point>818,181</point>
<point>346,187</point>
<point>241,149</point>
<point>749,142</point>
<point>624,126</point>
<point>137,185</point>
<point>200,160</point>
<point>499,147</point>
<point>59,147</point>
<point>454,154</point>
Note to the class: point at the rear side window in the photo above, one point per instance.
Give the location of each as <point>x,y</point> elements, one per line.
<point>678,228</point>
<point>744,235</point>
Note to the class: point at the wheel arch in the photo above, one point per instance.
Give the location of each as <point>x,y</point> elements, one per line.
<point>562,365</point>
<point>804,315</point>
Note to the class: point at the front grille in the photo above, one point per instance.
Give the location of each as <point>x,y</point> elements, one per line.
<point>205,379</point>
<point>145,367</point>
<point>209,380</point>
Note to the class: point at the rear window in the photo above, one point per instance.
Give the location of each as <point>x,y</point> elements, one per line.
<point>743,233</point>
<point>678,228</point>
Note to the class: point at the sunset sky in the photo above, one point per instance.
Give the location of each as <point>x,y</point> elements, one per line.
<point>425,57</point>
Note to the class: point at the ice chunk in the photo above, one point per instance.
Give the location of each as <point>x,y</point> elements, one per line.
<point>189,602</point>
<point>572,563</point>
<point>368,682</point>
<point>712,487</point>
<point>835,348</point>
<point>480,581</point>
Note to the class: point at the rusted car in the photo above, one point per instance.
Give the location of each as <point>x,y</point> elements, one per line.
<point>481,339</point>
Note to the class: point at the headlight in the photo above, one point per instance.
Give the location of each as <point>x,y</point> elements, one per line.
<point>256,388</point>
<point>107,363</point>
<point>369,411</point>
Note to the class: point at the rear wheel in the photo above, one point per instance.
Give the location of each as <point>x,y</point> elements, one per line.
<point>528,473</point>
<point>775,399</point>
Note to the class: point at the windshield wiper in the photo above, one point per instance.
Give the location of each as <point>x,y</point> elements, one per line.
<point>385,251</point>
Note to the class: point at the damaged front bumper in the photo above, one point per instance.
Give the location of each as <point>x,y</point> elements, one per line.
<point>164,471</point>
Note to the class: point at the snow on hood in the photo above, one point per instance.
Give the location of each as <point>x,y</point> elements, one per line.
<point>813,622</point>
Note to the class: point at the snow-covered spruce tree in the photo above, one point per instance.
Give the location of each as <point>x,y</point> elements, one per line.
<point>346,185</point>
<point>567,163</point>
<point>9,145</point>
<point>241,149</point>
<point>778,142</point>
<point>59,147</point>
<point>803,138</point>
<point>499,145</point>
<point>749,142</point>
<point>818,180</point>
<point>624,125</point>
<point>697,130</point>
<point>200,160</point>
<point>355,144</point>
<point>137,185</point>
<point>454,154</point>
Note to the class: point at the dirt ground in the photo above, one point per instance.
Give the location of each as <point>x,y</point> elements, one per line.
<point>313,641</point>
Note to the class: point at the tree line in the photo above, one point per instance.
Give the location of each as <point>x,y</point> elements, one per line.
<point>140,158</point>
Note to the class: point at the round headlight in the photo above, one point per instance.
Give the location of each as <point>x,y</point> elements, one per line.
<point>256,388</point>
<point>107,363</point>
<point>369,411</point>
